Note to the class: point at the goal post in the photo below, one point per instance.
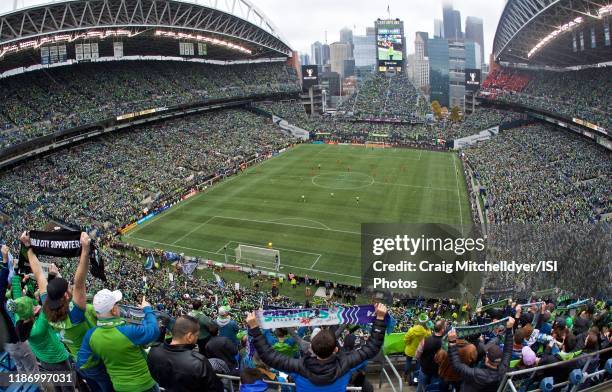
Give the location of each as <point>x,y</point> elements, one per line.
<point>264,257</point>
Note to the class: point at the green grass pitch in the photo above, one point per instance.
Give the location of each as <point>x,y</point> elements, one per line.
<point>320,235</point>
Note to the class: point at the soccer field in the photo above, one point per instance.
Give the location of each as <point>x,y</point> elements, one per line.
<point>318,235</point>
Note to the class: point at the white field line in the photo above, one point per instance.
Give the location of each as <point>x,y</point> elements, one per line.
<point>194,229</point>
<point>221,254</point>
<point>458,194</point>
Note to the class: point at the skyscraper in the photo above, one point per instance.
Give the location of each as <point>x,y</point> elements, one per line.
<point>474,33</point>
<point>316,53</point>
<point>338,52</point>
<point>420,44</point>
<point>438,70</point>
<point>420,68</point>
<point>438,28</point>
<point>346,36</point>
<point>325,54</point>
<point>304,59</point>
<point>364,50</point>
<point>452,22</point>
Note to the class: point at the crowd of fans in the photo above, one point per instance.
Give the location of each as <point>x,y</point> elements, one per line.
<point>538,174</point>
<point>389,97</point>
<point>479,120</point>
<point>110,181</point>
<point>582,94</point>
<point>194,328</point>
<point>47,101</point>
<point>187,332</point>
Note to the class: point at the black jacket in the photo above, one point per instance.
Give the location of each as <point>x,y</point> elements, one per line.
<point>316,371</point>
<point>222,348</point>
<point>181,368</point>
<point>481,379</point>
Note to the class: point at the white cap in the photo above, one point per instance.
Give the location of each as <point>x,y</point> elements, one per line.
<point>104,300</point>
<point>315,332</point>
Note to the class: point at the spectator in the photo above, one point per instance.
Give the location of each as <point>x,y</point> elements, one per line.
<point>325,367</point>
<point>425,354</point>
<point>67,312</point>
<point>449,377</point>
<point>117,344</point>
<point>227,327</point>
<point>177,366</point>
<point>20,352</point>
<point>496,364</point>
<point>205,323</point>
<point>222,348</point>
<point>412,339</point>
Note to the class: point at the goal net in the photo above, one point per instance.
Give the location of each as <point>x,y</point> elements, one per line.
<point>263,257</point>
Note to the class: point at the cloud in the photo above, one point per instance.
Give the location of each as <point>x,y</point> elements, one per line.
<point>303,22</point>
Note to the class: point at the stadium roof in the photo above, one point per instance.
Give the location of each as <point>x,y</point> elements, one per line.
<point>547,32</point>
<point>230,22</point>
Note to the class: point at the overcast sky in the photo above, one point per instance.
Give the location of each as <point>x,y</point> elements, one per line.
<point>304,21</point>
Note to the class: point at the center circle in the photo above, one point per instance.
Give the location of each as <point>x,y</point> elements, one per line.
<point>343,180</point>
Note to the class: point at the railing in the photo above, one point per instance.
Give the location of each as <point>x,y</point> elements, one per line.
<point>384,373</point>
<point>290,385</point>
<point>576,379</point>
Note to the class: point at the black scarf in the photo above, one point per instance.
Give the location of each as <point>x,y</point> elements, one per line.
<point>61,243</point>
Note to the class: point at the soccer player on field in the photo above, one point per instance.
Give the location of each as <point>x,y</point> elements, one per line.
<point>303,199</point>
<point>357,199</point>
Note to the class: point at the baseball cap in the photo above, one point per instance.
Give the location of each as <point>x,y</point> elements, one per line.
<point>494,353</point>
<point>528,356</point>
<point>104,300</point>
<point>224,310</point>
<point>56,289</point>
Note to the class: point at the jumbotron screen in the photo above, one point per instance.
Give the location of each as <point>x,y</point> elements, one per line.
<point>390,47</point>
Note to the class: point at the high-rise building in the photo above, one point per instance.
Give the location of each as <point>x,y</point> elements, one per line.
<point>456,71</point>
<point>325,56</point>
<point>438,70</point>
<point>371,31</point>
<point>346,36</point>
<point>364,50</point>
<point>438,28</point>
<point>410,67</point>
<point>331,82</point>
<point>338,52</point>
<point>420,44</point>
<point>472,55</point>
<point>452,22</point>
<point>474,33</point>
<point>305,59</point>
<point>420,66</point>
<point>316,53</point>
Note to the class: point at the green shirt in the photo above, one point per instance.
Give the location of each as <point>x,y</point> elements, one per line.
<point>75,326</point>
<point>45,343</point>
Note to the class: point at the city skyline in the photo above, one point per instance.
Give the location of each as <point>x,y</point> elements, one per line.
<point>418,15</point>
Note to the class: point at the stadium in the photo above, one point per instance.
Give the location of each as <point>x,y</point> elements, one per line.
<point>175,216</point>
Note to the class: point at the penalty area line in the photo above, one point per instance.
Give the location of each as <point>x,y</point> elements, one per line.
<point>221,254</point>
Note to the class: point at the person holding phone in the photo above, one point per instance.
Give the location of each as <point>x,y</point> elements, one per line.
<point>119,345</point>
